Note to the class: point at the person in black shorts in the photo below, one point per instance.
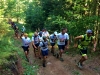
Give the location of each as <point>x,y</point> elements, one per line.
<point>16,32</point>
<point>43,46</point>
<point>26,43</point>
<point>35,44</point>
<point>85,41</point>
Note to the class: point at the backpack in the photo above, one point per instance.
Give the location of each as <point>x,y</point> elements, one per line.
<point>40,33</point>
<point>52,38</point>
<point>84,39</point>
<point>43,44</point>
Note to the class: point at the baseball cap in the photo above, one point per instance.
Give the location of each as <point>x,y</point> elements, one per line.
<point>55,33</point>
<point>89,31</point>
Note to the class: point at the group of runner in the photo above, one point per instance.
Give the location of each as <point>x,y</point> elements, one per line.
<point>16,29</point>
<point>40,42</point>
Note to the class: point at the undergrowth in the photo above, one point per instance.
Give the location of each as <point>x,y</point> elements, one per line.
<point>10,49</point>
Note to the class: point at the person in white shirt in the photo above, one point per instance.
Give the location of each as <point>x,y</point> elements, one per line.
<point>53,39</point>
<point>23,29</point>
<point>26,43</point>
<point>44,49</point>
<point>45,33</point>
<point>35,44</point>
<point>61,42</point>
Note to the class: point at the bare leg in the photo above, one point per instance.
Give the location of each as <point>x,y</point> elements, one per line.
<point>39,53</point>
<point>84,58</point>
<point>26,54</point>
<point>60,53</point>
<point>52,49</point>
<point>44,61</point>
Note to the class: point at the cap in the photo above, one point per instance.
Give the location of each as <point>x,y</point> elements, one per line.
<point>89,31</point>
<point>55,33</point>
<point>44,37</point>
<point>35,33</point>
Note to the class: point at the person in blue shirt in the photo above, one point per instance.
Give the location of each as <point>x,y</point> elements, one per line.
<point>44,49</point>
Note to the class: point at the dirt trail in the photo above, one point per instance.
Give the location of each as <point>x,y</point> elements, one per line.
<point>67,67</point>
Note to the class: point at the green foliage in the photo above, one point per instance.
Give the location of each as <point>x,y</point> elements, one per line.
<point>30,34</point>
<point>55,23</point>
<point>4,28</point>
<point>7,49</point>
<point>53,14</point>
<point>79,26</point>
<point>34,16</point>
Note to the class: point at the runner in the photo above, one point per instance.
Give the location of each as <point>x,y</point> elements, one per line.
<point>83,46</point>
<point>43,46</point>
<point>40,33</point>
<point>35,44</point>
<point>45,33</point>
<point>67,40</point>
<point>53,39</point>
<point>16,32</point>
<point>22,31</point>
<point>61,42</point>
<point>26,43</point>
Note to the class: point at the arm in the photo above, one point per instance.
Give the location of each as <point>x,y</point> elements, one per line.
<point>33,42</point>
<point>67,41</point>
<point>94,44</point>
<point>77,38</point>
<point>29,43</point>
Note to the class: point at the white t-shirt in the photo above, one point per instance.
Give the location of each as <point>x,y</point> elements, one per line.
<point>23,29</point>
<point>52,37</point>
<point>45,33</point>
<point>45,47</point>
<point>67,36</point>
<point>26,41</point>
<point>35,39</point>
<point>61,38</point>
<point>40,38</point>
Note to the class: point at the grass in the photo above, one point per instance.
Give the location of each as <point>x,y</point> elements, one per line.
<point>28,69</point>
<point>75,72</point>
